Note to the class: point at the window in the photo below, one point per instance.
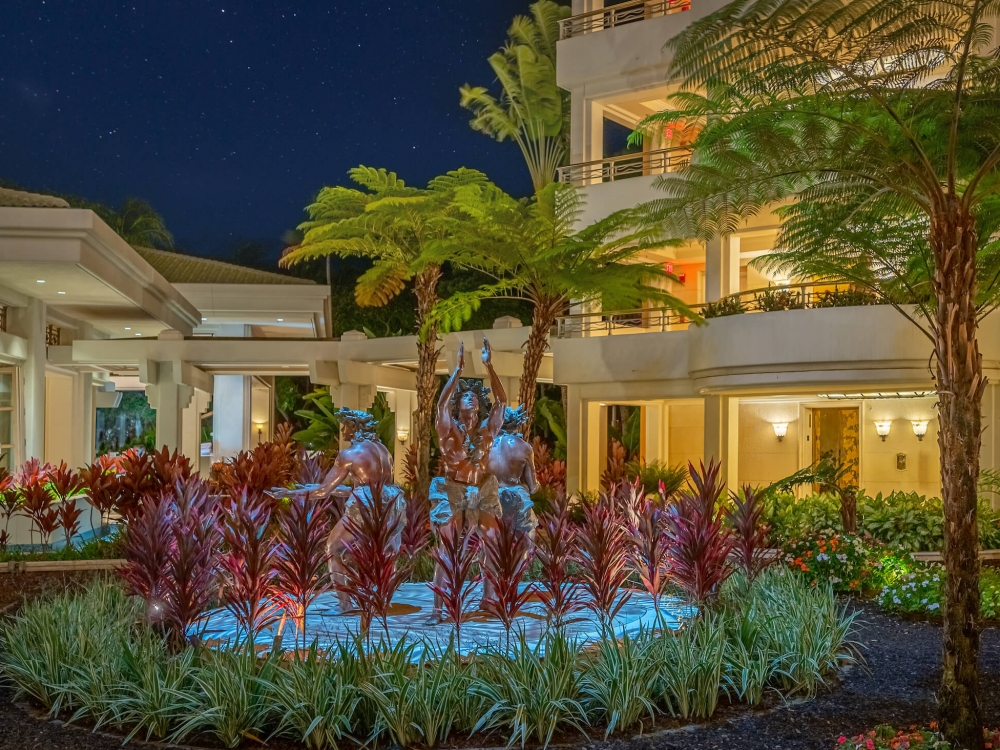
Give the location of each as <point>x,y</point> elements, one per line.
<point>52,335</point>
<point>7,418</point>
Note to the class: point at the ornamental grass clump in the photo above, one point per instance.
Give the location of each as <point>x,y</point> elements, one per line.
<point>316,702</point>
<point>154,687</point>
<point>618,682</point>
<point>689,666</point>
<point>530,691</point>
<point>234,697</point>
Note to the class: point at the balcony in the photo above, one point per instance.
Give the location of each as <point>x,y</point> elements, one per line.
<point>809,296</point>
<point>622,167</point>
<point>618,15</point>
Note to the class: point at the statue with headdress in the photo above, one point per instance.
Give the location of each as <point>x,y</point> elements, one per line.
<point>467,425</point>
<point>364,463</point>
<point>512,462</point>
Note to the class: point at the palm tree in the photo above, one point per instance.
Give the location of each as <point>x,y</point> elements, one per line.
<point>532,111</point>
<point>137,223</point>
<point>876,121</point>
<point>394,226</point>
<point>535,253</point>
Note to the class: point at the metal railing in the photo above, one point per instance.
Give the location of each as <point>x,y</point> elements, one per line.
<point>623,167</point>
<point>618,15</point>
<point>764,299</point>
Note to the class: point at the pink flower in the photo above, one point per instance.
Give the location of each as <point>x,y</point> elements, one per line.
<point>841,739</point>
<point>870,745</point>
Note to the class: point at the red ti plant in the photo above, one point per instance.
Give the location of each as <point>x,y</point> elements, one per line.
<point>65,483</point>
<point>192,559</point>
<point>507,559</point>
<point>417,532</point>
<point>648,555</point>
<point>32,482</point>
<point>100,482</point>
<point>136,482</point>
<point>554,546</point>
<point>698,540</point>
<point>267,465</point>
<point>147,553</point>
<point>310,469</point>
<point>455,556</point>
<point>168,468</point>
<point>301,556</point>
<point>603,559</point>
<point>248,564</point>
<point>9,503</point>
<point>746,517</point>
<point>373,572</point>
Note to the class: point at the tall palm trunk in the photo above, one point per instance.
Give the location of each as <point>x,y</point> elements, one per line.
<point>425,289</point>
<point>960,387</point>
<point>543,317</point>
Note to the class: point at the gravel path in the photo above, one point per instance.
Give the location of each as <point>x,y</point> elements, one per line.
<point>896,686</point>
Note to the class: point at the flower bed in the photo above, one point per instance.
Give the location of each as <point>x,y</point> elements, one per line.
<point>923,738</point>
<point>914,587</point>
<point>84,655</point>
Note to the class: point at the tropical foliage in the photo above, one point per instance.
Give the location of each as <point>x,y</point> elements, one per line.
<point>395,227</point>
<point>866,123</point>
<point>531,109</point>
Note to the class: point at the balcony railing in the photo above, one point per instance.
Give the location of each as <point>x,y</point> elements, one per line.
<point>767,299</point>
<point>618,15</point>
<point>623,167</point>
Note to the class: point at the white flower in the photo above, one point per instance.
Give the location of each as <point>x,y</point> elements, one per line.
<point>895,600</point>
<point>933,606</point>
<point>822,557</point>
<point>923,601</point>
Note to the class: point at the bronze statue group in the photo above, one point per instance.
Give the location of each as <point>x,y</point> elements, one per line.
<point>488,467</point>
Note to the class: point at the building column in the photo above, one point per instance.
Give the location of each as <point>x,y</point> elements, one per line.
<point>989,452</point>
<point>587,131</point>
<point>722,267</point>
<point>29,323</point>
<point>655,432</point>
<point>191,421</point>
<point>575,443</point>
<point>230,415</point>
<point>402,403</point>
<point>169,397</point>
<point>722,434</point>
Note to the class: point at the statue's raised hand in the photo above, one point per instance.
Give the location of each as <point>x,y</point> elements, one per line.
<point>461,355</point>
<point>487,351</point>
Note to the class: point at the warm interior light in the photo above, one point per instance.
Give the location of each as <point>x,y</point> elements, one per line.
<point>60,292</point>
<point>403,434</point>
<point>41,281</point>
<point>780,430</point>
<point>281,320</point>
<point>882,428</point>
<point>919,428</point>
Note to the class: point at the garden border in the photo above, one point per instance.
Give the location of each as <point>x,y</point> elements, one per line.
<point>59,566</point>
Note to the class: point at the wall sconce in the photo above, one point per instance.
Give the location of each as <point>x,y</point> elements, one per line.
<point>780,430</point>
<point>882,428</point>
<point>260,432</point>
<point>402,435</point>
<point>919,429</point>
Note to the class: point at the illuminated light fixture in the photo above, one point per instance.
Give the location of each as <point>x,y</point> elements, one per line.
<point>780,430</point>
<point>281,320</point>
<point>128,328</point>
<point>919,428</point>
<point>882,428</point>
<point>877,395</point>
<point>203,320</point>
<point>60,292</point>
<point>260,432</point>
<point>40,281</point>
<point>403,434</point>
<point>138,334</point>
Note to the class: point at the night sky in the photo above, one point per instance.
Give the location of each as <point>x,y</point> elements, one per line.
<point>227,118</point>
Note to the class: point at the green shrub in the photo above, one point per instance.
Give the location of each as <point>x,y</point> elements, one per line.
<point>905,519</point>
<point>917,588</point>
<point>724,307</point>
<point>774,300</point>
<point>846,298</point>
<point>656,472</point>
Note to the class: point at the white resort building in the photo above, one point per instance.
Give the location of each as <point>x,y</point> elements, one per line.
<point>84,317</point>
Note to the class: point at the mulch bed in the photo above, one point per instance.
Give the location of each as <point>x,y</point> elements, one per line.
<point>896,686</point>
<point>16,588</point>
